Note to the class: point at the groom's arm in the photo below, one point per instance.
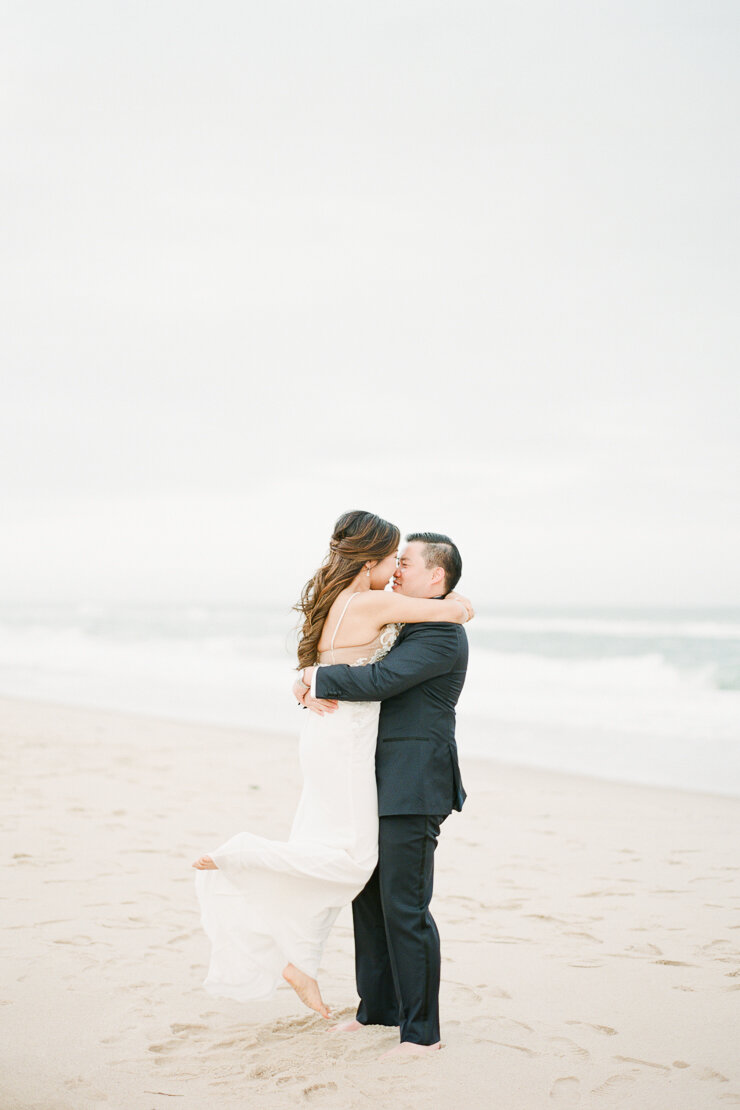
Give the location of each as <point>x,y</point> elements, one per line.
<point>425,652</point>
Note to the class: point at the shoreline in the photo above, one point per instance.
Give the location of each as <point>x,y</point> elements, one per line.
<point>590,934</point>
<point>286,736</point>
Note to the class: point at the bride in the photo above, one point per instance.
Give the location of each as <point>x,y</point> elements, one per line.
<point>266,905</point>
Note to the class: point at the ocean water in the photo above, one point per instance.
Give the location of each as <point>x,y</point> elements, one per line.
<point>642,695</point>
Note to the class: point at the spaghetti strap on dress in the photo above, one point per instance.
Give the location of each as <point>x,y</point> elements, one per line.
<point>336,626</point>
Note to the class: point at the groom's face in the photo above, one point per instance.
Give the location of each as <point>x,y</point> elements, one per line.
<point>413,577</point>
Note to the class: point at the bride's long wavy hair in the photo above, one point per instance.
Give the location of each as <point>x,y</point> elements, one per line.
<point>357,537</point>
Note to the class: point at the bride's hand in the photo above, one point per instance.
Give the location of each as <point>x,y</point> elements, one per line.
<point>320,705</point>
<point>300,690</point>
<point>465,601</point>
<point>302,695</point>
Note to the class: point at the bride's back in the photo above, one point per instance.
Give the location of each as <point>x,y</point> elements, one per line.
<point>350,634</point>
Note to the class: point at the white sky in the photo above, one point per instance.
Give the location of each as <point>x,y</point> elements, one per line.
<point>472,266</point>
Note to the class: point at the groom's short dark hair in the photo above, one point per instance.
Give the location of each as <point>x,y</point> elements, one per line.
<point>440,551</point>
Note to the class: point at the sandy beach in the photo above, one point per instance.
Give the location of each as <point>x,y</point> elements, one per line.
<point>590,936</point>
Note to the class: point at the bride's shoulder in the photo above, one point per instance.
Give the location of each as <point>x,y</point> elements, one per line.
<point>349,601</point>
<point>371,597</point>
<point>375,603</point>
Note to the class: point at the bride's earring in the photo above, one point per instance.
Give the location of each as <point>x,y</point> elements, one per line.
<point>367,572</point>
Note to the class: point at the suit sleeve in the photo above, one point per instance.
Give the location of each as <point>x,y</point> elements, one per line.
<point>426,652</point>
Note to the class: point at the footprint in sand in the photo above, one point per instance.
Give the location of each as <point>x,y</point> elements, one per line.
<point>509,1025</point>
<point>607,894</point>
<point>720,949</point>
<point>566,1090</point>
<point>505,1044</point>
<point>605,1029</point>
<point>642,1063</point>
<point>717,1076</point>
<point>162,1051</point>
<point>548,917</point>
<point>262,1071</point>
<point>564,1046</point>
<point>237,1041</point>
<point>286,1028</point>
<point>613,1083</point>
<point>317,1090</point>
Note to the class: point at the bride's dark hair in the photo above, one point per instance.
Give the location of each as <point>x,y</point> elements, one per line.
<point>357,537</point>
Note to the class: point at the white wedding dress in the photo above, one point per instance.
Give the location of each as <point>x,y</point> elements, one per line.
<point>274,902</point>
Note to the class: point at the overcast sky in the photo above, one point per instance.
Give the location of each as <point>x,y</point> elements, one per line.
<point>472,266</point>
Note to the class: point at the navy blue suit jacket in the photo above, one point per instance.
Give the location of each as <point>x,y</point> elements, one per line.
<point>418,683</point>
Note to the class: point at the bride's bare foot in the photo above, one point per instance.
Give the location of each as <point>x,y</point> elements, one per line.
<point>349,1026</point>
<point>306,988</point>
<point>408,1048</point>
<point>205,863</point>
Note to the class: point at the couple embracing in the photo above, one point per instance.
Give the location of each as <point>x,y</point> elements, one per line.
<point>381,674</point>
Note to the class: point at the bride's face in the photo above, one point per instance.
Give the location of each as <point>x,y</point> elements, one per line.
<point>382,572</point>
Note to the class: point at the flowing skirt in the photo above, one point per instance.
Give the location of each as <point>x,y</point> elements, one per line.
<point>274,902</point>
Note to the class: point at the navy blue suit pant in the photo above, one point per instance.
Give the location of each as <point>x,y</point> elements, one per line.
<point>397,959</point>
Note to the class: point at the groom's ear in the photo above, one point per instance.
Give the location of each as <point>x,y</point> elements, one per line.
<point>438,577</point>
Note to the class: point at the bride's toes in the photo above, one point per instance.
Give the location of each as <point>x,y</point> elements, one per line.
<point>205,863</point>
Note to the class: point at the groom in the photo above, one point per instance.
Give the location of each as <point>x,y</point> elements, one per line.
<point>397,958</point>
